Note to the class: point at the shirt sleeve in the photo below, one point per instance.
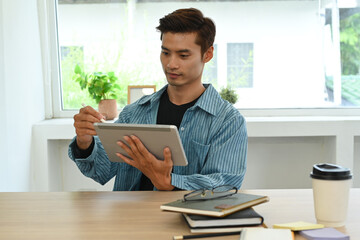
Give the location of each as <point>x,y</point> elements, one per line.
<point>95,164</point>
<point>225,163</point>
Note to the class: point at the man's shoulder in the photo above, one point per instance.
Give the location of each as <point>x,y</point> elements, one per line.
<point>221,106</point>
<point>230,112</point>
<point>226,111</point>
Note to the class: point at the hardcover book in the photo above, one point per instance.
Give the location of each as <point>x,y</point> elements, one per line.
<point>216,207</point>
<point>221,229</point>
<point>246,217</point>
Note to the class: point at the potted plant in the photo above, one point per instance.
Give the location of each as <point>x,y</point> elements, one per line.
<point>229,95</point>
<point>102,87</point>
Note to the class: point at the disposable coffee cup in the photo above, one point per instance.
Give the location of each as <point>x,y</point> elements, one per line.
<point>331,184</point>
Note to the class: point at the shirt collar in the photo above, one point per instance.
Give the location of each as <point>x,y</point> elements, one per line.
<point>210,101</point>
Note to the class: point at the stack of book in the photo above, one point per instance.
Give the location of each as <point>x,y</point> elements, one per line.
<point>228,214</point>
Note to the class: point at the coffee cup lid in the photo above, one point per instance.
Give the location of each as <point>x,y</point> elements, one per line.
<point>328,171</point>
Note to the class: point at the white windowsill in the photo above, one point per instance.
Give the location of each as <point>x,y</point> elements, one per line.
<point>257,126</point>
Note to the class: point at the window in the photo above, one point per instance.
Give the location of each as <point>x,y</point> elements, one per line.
<point>275,54</point>
<point>71,95</point>
<point>240,65</point>
<point>347,87</point>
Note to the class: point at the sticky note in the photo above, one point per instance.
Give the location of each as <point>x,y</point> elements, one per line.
<point>298,226</point>
<point>324,234</point>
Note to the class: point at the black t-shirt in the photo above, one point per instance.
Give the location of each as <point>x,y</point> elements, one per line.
<point>168,114</point>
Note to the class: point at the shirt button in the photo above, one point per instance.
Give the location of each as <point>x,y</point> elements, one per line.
<point>182,128</point>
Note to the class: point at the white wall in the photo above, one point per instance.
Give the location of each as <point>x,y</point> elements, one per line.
<point>21,90</point>
<point>285,162</point>
<point>3,151</point>
<point>356,171</point>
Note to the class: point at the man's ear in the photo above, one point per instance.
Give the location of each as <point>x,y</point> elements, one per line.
<point>208,55</point>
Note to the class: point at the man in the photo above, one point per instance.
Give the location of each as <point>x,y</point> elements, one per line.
<point>213,132</point>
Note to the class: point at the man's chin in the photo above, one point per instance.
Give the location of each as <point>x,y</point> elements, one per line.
<point>174,83</point>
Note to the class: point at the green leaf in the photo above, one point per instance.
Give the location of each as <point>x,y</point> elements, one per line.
<point>113,96</point>
<point>229,95</point>
<point>77,69</point>
<point>107,87</point>
<point>98,90</point>
<point>98,99</point>
<point>91,90</point>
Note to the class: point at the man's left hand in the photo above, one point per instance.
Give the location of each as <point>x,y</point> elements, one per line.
<point>158,171</point>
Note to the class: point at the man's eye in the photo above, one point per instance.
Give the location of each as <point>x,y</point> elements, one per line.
<point>165,53</point>
<point>184,56</point>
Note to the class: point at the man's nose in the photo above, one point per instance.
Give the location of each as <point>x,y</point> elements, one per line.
<point>173,63</point>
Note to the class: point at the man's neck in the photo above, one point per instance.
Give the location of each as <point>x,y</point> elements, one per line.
<point>184,94</point>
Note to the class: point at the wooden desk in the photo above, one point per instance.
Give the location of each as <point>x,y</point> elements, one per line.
<point>135,215</point>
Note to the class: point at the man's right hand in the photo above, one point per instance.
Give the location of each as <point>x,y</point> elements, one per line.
<point>84,126</point>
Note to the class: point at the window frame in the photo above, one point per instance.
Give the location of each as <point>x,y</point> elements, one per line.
<point>47,10</point>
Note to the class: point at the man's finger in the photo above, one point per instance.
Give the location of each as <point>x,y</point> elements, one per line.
<point>91,111</point>
<point>167,156</point>
<point>140,146</point>
<point>87,118</point>
<point>84,131</point>
<point>84,125</point>
<point>126,160</point>
<point>134,148</point>
<point>126,148</point>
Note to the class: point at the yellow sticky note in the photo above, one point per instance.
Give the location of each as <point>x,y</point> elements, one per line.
<point>298,226</point>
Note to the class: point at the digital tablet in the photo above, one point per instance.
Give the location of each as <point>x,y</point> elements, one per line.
<point>154,137</point>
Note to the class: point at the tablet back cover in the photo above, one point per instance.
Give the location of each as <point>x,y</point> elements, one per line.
<point>154,137</point>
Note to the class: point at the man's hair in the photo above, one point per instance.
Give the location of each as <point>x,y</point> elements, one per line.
<point>190,20</point>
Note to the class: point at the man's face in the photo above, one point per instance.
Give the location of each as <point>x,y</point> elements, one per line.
<point>181,59</point>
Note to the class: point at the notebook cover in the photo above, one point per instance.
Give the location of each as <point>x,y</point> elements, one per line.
<point>216,207</point>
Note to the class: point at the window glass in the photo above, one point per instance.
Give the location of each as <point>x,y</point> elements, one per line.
<point>274,54</point>
<point>240,65</point>
<point>210,70</point>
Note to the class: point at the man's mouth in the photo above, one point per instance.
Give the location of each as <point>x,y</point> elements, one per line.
<point>173,75</point>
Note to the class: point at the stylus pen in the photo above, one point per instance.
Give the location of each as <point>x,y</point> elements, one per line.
<point>206,235</point>
<point>101,120</point>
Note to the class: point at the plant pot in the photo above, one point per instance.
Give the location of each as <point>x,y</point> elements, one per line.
<point>108,108</point>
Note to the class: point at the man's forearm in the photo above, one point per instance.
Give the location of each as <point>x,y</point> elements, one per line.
<point>84,145</point>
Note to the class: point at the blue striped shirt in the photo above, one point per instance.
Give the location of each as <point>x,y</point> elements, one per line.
<point>213,134</point>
